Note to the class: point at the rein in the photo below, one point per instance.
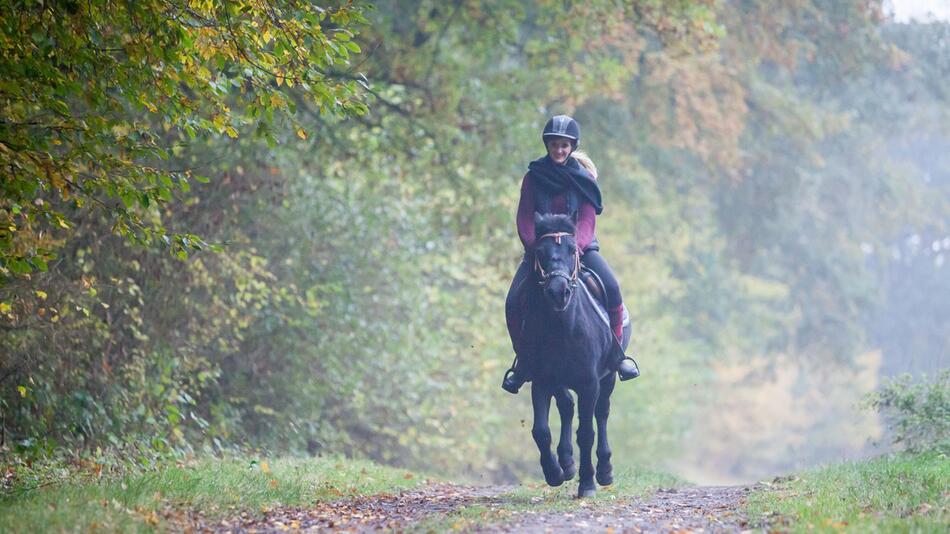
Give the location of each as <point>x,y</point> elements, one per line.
<point>546,276</point>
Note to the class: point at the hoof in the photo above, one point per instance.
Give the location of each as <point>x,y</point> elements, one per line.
<point>554,481</point>
<point>554,476</point>
<point>583,493</point>
<point>605,478</point>
<point>569,470</point>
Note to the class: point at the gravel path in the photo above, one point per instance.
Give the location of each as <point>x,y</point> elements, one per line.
<point>435,507</point>
<point>696,509</point>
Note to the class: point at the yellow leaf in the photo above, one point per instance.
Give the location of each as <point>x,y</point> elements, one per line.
<point>152,518</point>
<point>63,223</point>
<point>231,131</point>
<point>22,390</point>
<point>41,294</point>
<point>5,307</point>
<point>301,133</point>
<point>265,468</point>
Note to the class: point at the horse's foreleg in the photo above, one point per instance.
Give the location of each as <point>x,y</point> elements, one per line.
<point>565,450</point>
<point>605,471</point>
<point>541,431</point>
<point>586,399</point>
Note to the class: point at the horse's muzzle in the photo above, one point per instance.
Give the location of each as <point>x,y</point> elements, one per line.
<point>558,289</point>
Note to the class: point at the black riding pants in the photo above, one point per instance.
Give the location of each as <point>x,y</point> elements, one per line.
<point>515,302</point>
<point>595,262</point>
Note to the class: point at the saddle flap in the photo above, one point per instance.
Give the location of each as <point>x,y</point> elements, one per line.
<point>594,285</point>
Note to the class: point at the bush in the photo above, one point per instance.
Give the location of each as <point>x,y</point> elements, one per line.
<point>917,413</point>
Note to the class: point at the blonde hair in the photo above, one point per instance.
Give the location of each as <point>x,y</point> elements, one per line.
<point>585,162</point>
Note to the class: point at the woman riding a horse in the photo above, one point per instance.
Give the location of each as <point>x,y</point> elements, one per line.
<point>562,182</point>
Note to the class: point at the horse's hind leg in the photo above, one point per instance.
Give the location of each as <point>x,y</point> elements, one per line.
<point>565,450</point>
<point>541,431</point>
<point>605,471</point>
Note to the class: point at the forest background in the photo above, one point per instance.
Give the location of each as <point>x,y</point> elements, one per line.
<point>233,225</point>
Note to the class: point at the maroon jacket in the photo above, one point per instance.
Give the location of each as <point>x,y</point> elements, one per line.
<point>586,216</point>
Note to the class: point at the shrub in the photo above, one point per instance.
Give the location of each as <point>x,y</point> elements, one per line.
<point>917,413</point>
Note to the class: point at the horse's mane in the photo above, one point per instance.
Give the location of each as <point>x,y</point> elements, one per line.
<point>553,222</point>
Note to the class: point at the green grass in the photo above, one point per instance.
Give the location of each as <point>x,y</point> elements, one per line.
<point>148,500</point>
<point>628,484</point>
<point>901,493</point>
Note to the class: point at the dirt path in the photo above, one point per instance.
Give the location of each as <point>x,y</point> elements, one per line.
<point>496,509</point>
<point>699,509</point>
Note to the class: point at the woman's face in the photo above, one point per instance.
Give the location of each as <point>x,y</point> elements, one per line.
<point>559,148</point>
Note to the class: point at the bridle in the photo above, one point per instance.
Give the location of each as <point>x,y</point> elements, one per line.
<point>570,277</point>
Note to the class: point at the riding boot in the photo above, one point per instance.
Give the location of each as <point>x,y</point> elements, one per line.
<point>626,366</point>
<point>517,374</point>
<point>515,377</point>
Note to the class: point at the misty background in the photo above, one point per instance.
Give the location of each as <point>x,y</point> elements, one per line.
<point>776,178</point>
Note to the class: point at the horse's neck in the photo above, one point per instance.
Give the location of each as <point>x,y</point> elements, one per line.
<point>591,306</point>
<point>567,321</point>
<point>576,336</point>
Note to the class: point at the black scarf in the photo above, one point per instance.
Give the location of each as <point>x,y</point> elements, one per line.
<point>555,179</point>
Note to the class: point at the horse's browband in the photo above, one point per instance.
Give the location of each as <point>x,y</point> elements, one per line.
<point>577,259</point>
<point>557,236</point>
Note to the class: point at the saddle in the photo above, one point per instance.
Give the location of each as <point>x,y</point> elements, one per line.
<point>595,288</point>
<point>594,285</point>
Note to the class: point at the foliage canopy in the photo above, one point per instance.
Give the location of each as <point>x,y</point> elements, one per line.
<point>98,96</point>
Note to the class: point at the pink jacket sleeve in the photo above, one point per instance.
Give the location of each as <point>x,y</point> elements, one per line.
<point>525,217</point>
<point>586,220</point>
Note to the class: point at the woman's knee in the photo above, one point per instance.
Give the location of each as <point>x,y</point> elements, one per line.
<point>513,300</point>
<point>612,289</point>
<point>611,285</point>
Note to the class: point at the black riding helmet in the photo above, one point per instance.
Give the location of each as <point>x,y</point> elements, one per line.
<point>562,126</point>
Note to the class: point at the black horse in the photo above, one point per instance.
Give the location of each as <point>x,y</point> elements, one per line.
<point>571,346</point>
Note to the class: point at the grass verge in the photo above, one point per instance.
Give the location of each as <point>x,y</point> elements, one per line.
<point>899,493</point>
<point>146,501</point>
<point>539,498</point>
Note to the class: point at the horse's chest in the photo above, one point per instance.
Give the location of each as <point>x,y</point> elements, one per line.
<point>566,358</point>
